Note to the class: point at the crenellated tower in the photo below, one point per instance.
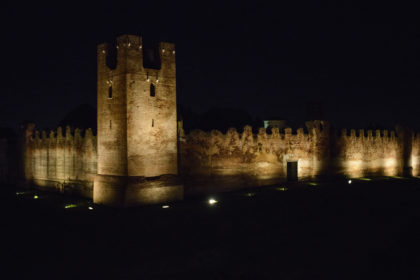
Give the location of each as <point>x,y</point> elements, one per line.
<point>137,125</point>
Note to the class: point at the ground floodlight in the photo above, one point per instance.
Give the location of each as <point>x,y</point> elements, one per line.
<point>212,201</point>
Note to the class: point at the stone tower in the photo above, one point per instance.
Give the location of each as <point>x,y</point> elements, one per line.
<point>137,126</point>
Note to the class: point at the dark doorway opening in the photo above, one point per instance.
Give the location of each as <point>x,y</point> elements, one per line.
<point>292,171</point>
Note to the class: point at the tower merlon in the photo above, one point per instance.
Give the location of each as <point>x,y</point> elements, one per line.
<point>102,49</point>
<point>166,49</point>
<point>131,41</point>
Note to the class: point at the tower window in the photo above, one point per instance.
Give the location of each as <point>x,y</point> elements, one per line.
<point>110,92</point>
<point>153,122</point>
<point>152,90</point>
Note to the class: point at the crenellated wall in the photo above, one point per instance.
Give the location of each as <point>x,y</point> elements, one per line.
<point>237,160</point>
<point>214,162</point>
<point>415,154</point>
<point>64,162</point>
<point>365,153</point>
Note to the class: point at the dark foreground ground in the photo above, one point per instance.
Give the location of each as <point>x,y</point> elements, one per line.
<point>366,230</point>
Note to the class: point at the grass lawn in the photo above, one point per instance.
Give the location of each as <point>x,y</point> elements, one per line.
<point>369,229</point>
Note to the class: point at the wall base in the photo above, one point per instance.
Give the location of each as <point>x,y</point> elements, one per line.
<point>70,187</point>
<point>122,191</point>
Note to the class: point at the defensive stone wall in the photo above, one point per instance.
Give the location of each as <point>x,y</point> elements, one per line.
<point>67,163</point>
<point>415,154</point>
<point>218,162</point>
<point>215,162</point>
<point>212,162</point>
<point>364,153</point>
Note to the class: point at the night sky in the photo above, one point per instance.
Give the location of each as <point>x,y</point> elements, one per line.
<point>360,61</point>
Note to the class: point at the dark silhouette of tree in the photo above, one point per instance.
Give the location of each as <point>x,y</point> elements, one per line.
<point>83,117</point>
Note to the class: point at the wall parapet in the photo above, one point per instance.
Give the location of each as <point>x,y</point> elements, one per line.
<point>233,159</point>
<point>56,159</point>
<point>367,152</point>
<point>254,158</point>
<point>261,158</point>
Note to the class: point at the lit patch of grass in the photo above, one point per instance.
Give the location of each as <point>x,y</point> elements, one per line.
<point>36,197</point>
<point>364,179</point>
<point>281,189</point>
<point>250,194</point>
<point>20,193</point>
<point>313,184</point>
<point>396,177</point>
<point>68,206</point>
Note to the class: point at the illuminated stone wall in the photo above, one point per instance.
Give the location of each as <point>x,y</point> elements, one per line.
<point>151,118</point>
<point>137,131</point>
<point>214,162</point>
<point>67,163</point>
<point>217,162</point>
<point>415,154</point>
<point>365,153</point>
